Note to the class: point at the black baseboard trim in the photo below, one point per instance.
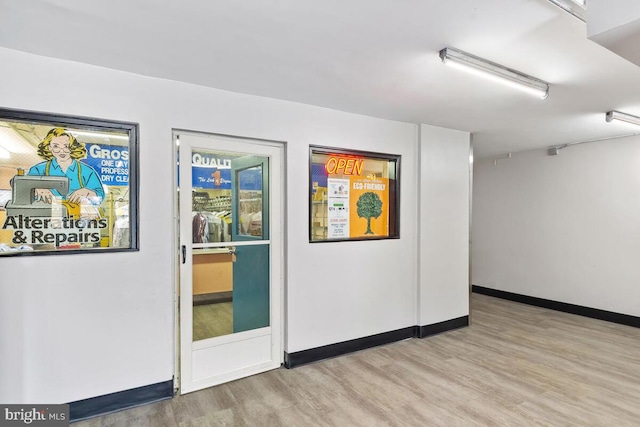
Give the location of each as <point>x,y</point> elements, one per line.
<point>447,325</point>
<point>100,405</point>
<point>594,313</point>
<point>291,360</point>
<point>299,358</point>
<point>212,298</point>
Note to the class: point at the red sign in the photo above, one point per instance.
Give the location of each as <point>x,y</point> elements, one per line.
<point>344,166</point>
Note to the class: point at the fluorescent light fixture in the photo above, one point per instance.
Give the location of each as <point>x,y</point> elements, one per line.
<point>623,117</point>
<point>13,142</point>
<point>4,154</point>
<point>575,7</point>
<point>98,134</point>
<point>495,72</point>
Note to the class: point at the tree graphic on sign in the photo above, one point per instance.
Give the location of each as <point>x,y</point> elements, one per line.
<point>369,206</point>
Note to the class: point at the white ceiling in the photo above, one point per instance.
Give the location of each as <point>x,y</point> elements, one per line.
<point>372,57</point>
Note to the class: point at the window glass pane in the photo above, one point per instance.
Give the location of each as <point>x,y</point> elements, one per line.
<point>230,283</point>
<point>250,202</point>
<point>211,196</point>
<point>63,187</point>
<point>353,195</point>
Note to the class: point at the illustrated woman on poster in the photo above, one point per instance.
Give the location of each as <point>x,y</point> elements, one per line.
<point>62,153</point>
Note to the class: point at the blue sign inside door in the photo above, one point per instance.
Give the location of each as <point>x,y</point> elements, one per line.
<point>210,172</point>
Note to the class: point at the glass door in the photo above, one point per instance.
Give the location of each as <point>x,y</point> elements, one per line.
<point>230,258</point>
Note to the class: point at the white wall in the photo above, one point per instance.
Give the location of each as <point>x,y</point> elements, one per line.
<point>74,327</point>
<point>615,24</point>
<point>444,224</point>
<point>564,228</point>
<point>606,15</point>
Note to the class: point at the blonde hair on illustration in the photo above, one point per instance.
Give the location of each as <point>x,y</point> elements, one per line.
<point>77,149</point>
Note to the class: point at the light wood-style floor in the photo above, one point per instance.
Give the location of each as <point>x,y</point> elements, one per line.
<point>212,320</point>
<point>516,365</point>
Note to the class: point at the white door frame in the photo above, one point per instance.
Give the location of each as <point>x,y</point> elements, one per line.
<point>184,382</point>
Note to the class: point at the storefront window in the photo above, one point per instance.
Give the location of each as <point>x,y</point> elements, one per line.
<point>66,184</point>
<point>353,195</point>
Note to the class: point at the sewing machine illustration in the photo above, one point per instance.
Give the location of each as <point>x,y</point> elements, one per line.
<point>23,200</point>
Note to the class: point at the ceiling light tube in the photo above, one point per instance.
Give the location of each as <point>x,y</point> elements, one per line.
<point>623,117</point>
<point>575,7</point>
<point>495,72</point>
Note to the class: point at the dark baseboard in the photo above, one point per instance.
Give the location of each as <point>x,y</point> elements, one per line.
<point>447,325</point>
<point>291,360</point>
<point>212,298</point>
<point>298,358</point>
<point>101,405</point>
<point>594,313</point>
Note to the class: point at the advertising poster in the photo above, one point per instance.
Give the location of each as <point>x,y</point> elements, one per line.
<point>210,171</point>
<point>338,208</point>
<point>369,207</point>
<point>111,163</point>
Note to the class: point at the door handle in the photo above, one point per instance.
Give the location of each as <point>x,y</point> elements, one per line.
<point>184,254</point>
